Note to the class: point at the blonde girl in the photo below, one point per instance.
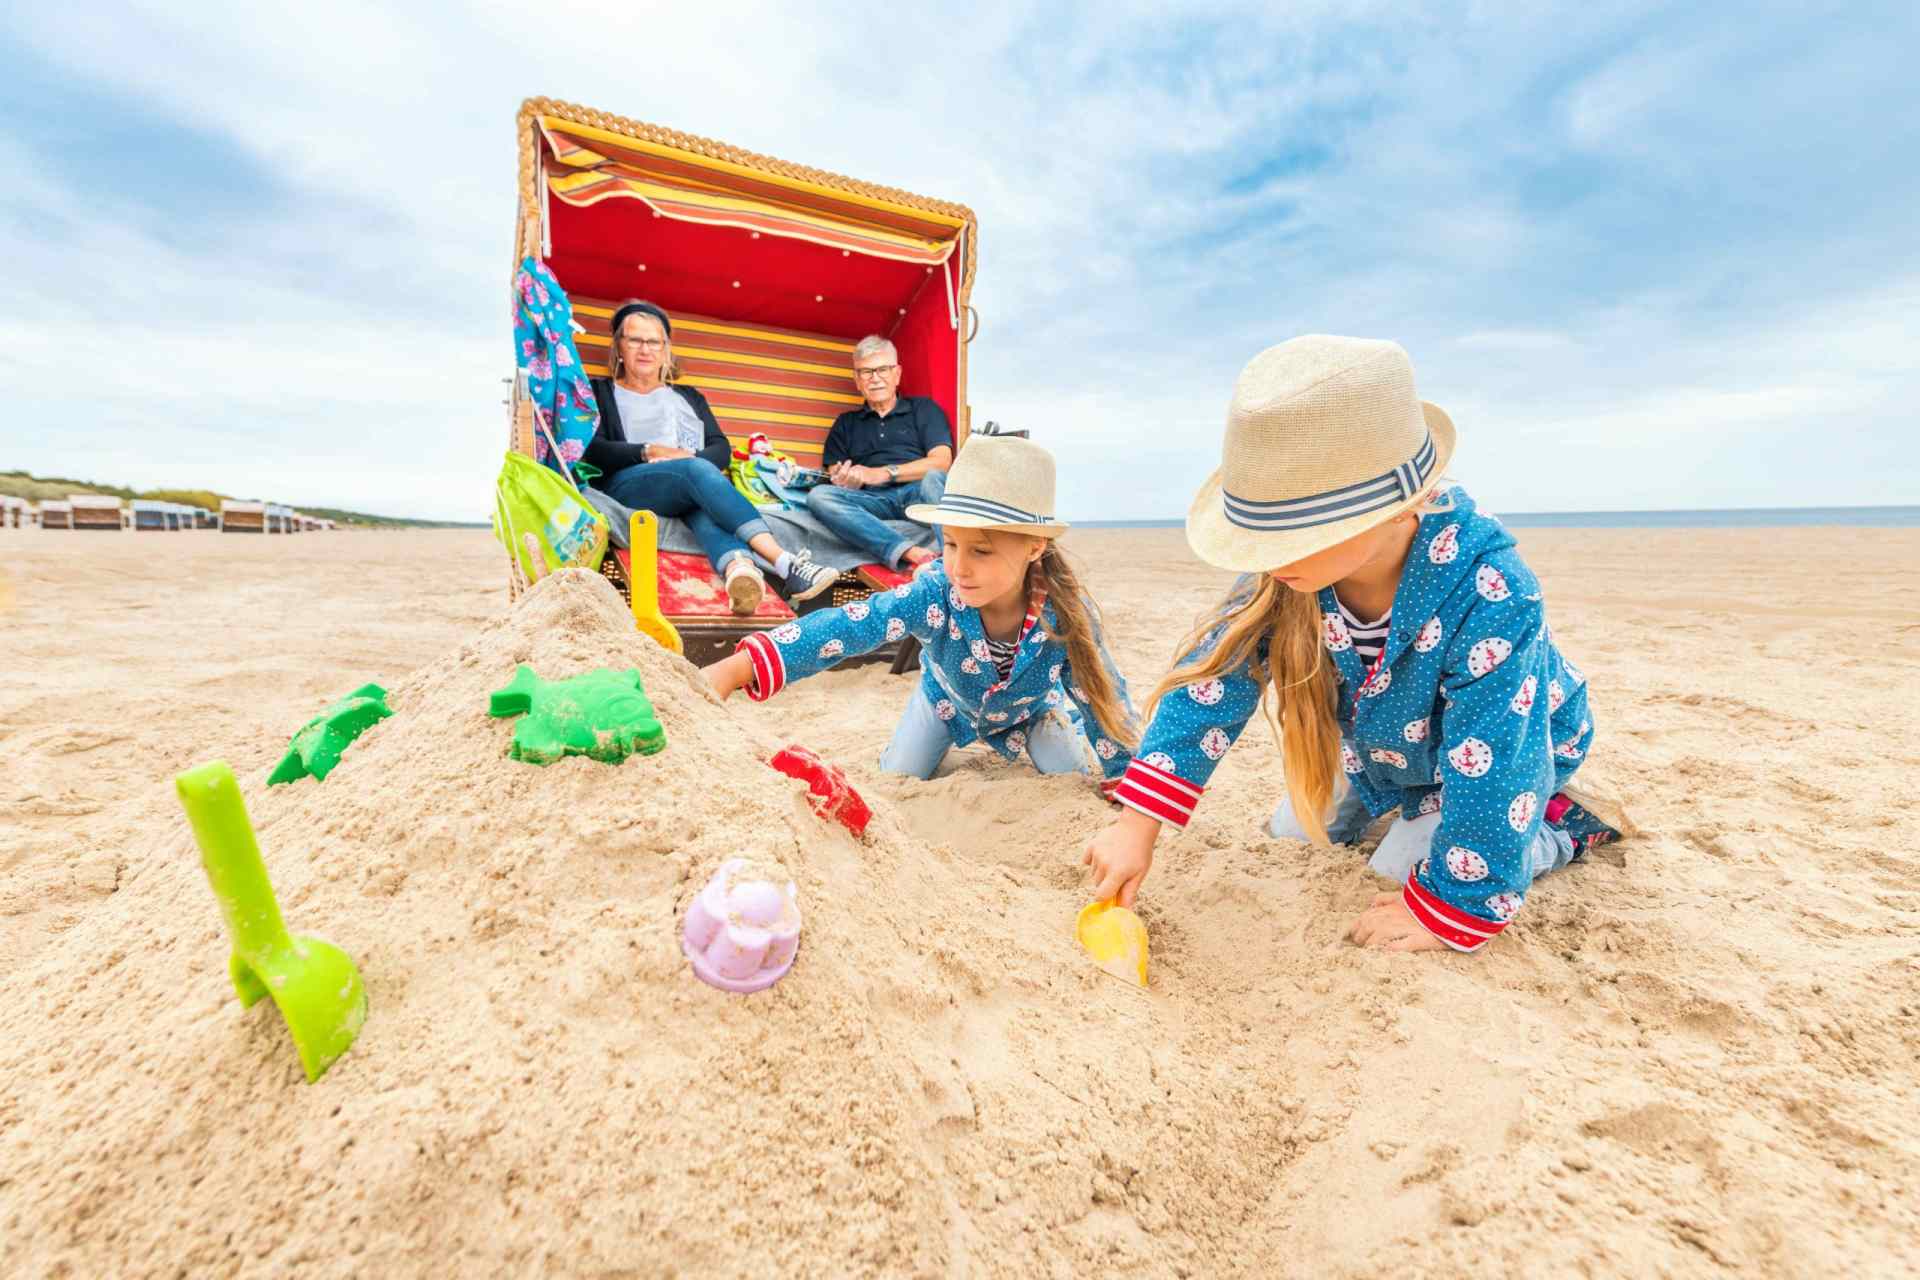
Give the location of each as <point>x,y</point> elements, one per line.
<point>1403,642</point>
<point>1011,653</point>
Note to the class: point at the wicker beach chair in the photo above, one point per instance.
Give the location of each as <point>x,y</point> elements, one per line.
<point>242,517</point>
<point>97,511</point>
<point>771,271</point>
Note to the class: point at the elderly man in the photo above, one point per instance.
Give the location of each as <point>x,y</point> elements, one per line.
<point>883,457</point>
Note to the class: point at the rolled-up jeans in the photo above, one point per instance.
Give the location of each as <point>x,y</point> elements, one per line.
<point>693,490</point>
<point>857,516</point>
<point>921,742</point>
<point>1408,840</point>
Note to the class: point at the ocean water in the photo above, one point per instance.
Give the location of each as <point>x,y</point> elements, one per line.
<point>1724,518</point>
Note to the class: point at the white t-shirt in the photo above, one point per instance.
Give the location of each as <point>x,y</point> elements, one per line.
<point>659,416</point>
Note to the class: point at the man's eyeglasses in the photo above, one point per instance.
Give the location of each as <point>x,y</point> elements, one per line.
<point>646,344</point>
<point>877,371</point>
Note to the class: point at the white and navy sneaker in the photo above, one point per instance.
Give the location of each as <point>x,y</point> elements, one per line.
<point>804,579</point>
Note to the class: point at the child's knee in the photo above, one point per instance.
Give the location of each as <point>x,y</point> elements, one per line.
<point>1055,746</point>
<point>1400,851</point>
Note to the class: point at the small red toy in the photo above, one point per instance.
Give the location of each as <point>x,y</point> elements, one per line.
<point>832,795</point>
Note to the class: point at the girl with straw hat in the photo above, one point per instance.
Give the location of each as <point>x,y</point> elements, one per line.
<point>1011,650</point>
<point>1405,642</point>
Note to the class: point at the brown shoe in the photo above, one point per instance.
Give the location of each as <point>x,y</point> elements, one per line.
<point>745,587</point>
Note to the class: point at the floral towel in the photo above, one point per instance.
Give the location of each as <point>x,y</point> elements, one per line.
<point>544,350</point>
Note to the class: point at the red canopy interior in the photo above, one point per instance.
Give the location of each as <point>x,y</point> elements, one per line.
<point>619,248</point>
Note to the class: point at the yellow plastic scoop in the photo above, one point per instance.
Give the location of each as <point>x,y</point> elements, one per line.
<point>643,581</point>
<point>1115,938</point>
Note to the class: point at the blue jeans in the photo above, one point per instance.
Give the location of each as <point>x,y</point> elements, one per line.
<point>854,515</point>
<point>1408,840</point>
<point>921,742</point>
<point>694,490</point>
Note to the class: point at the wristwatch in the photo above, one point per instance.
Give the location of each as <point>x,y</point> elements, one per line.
<point>893,475</point>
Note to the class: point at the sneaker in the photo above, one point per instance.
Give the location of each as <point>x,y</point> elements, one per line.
<point>805,579</point>
<point>1589,819</point>
<point>745,587</point>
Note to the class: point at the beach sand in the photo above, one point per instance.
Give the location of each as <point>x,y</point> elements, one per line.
<point>1695,1054</point>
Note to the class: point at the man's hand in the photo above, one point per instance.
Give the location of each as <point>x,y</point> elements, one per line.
<point>666,452</point>
<point>1388,925</point>
<point>729,674</point>
<point>847,476</point>
<point>1121,856</point>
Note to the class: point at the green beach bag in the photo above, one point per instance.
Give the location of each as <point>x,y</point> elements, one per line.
<point>529,498</point>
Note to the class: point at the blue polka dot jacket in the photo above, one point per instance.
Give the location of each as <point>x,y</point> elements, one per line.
<point>1471,712</point>
<point>957,673</point>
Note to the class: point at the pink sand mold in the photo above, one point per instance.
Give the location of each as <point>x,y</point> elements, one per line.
<point>743,929</point>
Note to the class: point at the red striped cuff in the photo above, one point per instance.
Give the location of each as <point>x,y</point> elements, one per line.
<point>1452,926</point>
<point>1157,793</point>
<point>769,668</point>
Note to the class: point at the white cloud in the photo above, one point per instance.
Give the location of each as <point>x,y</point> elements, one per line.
<point>1515,340</point>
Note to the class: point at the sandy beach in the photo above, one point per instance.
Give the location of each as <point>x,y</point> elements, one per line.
<point>1695,1054</point>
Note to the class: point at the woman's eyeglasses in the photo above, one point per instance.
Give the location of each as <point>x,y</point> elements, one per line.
<point>645,344</point>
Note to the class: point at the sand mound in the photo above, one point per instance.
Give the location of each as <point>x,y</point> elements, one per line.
<point>541,1083</point>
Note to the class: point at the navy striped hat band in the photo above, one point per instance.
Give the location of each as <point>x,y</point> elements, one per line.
<point>1377,494</point>
<point>987,509</point>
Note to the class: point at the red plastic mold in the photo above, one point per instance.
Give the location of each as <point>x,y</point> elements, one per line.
<point>831,795</point>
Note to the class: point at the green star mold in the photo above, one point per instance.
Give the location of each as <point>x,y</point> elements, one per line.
<point>316,748</point>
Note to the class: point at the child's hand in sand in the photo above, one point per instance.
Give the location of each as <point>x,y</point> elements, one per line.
<point>1121,856</point>
<point>1388,925</point>
<point>729,674</point>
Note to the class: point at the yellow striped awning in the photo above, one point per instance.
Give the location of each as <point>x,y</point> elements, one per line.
<point>592,165</point>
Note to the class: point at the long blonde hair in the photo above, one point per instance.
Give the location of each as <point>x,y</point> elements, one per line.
<point>1300,693</point>
<point>1077,626</point>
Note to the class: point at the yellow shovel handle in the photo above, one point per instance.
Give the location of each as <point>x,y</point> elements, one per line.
<point>643,580</point>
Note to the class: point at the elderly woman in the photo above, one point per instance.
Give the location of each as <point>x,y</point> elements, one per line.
<point>659,449</point>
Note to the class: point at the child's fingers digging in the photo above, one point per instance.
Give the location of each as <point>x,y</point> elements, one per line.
<point>1372,926</point>
<point>1388,925</point>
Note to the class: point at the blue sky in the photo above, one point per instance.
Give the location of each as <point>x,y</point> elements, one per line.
<point>1645,255</point>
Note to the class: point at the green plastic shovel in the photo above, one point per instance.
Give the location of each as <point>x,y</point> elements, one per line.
<point>313,982</point>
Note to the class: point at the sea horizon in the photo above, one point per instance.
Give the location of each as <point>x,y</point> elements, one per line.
<point>1679,518</point>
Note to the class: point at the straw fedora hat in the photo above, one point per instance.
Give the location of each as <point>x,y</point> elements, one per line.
<point>997,482</point>
<point>1325,439</point>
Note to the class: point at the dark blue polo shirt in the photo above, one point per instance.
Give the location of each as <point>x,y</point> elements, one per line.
<point>916,427</point>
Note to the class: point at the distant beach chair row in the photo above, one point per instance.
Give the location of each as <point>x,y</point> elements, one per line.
<point>148,515</point>
<point>266,517</point>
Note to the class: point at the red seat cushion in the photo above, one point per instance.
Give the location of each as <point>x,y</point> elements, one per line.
<point>689,591</point>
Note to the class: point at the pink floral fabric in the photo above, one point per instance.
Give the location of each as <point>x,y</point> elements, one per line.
<point>556,380</point>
